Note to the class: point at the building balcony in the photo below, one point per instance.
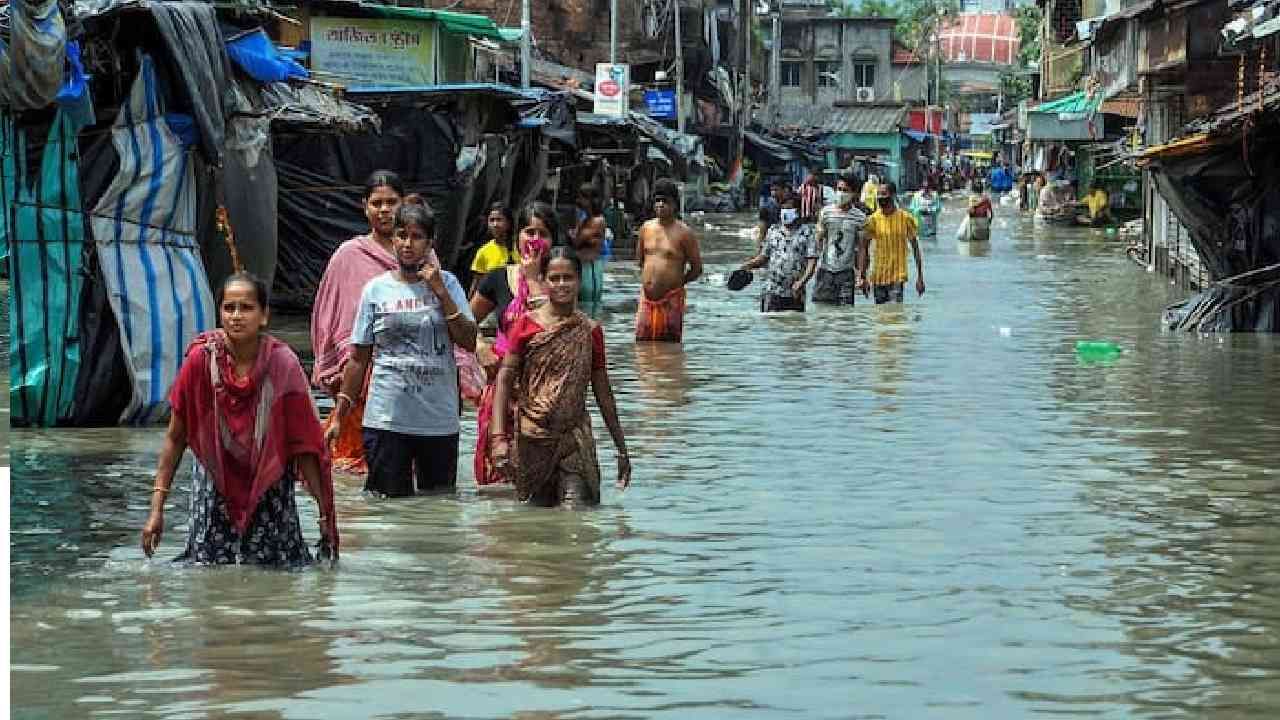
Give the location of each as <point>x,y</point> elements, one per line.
<point>1061,69</point>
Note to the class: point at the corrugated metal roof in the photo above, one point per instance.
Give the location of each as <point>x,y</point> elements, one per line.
<point>980,38</point>
<point>1126,107</point>
<point>869,119</point>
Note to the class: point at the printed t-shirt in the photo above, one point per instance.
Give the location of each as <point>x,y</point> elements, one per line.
<point>889,235</point>
<point>414,389</point>
<point>788,252</point>
<point>839,229</point>
<point>493,255</point>
<point>526,328</point>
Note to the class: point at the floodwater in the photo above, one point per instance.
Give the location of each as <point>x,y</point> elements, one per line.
<point>933,510</point>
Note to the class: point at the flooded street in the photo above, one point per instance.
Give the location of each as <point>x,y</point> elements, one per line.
<point>932,510</point>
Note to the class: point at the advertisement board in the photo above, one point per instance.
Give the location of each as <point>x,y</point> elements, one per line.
<point>375,51</point>
<point>613,84</point>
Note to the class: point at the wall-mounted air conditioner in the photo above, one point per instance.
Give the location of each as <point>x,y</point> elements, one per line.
<point>865,94</point>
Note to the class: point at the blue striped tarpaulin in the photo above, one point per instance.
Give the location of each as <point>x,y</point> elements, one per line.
<point>144,229</point>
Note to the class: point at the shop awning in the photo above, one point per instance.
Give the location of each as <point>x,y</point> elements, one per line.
<point>870,120</point>
<point>1073,106</point>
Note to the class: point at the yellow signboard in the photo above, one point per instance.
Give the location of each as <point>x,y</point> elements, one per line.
<point>375,51</point>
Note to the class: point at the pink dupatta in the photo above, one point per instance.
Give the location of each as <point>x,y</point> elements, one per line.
<point>353,265</point>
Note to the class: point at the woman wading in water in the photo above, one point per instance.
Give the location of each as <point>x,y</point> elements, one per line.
<point>353,265</point>
<point>511,294</point>
<point>407,325</point>
<point>555,353</point>
<point>242,404</point>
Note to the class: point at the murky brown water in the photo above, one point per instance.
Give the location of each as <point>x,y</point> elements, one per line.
<point>928,511</point>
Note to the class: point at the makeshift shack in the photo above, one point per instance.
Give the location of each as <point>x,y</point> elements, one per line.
<point>1219,180</point>
<point>462,147</point>
<point>108,197</point>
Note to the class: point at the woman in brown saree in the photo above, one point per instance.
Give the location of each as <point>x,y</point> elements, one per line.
<point>556,351</point>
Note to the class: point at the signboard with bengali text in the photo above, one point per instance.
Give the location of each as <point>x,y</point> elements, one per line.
<point>661,103</point>
<point>375,51</point>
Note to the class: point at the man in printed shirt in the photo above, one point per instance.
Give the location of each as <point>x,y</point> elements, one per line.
<point>791,254</point>
<point>839,230</point>
<point>886,236</point>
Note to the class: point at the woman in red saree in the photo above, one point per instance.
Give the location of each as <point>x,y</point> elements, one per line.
<point>556,352</point>
<point>242,404</point>
<point>511,293</point>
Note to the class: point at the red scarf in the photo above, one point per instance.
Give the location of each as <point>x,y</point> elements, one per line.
<point>246,431</point>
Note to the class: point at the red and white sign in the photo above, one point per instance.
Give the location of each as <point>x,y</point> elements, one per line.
<point>613,84</point>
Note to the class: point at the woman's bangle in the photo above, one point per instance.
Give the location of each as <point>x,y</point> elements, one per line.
<point>155,490</point>
<point>344,396</point>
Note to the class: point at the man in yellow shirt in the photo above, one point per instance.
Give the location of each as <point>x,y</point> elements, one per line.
<point>886,236</point>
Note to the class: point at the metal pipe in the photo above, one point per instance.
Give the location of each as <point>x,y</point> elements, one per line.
<point>526,38</point>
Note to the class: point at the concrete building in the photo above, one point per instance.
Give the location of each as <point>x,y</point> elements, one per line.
<point>836,76</point>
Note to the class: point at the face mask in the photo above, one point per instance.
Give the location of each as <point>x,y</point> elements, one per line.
<point>789,215</point>
<point>844,197</point>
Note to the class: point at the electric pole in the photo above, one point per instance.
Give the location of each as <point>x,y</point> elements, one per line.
<point>613,31</point>
<point>526,37</point>
<point>744,90</point>
<point>679,69</point>
<point>775,68</point>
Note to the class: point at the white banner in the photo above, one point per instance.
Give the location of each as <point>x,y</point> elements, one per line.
<point>613,84</point>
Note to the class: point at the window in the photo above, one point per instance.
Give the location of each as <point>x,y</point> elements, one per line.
<point>791,74</point>
<point>828,74</point>
<point>864,74</point>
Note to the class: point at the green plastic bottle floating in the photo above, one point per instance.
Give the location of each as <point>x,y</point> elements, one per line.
<point>1097,348</point>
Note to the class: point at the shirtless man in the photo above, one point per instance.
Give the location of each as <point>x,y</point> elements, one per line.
<point>669,259</point>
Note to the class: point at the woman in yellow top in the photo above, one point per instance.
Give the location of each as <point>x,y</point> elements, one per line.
<point>1098,203</point>
<point>500,251</point>
<point>886,236</point>
<point>870,189</point>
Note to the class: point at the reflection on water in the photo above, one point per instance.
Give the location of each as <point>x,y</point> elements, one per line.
<point>926,510</point>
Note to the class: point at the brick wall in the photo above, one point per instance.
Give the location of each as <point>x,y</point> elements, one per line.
<point>572,32</point>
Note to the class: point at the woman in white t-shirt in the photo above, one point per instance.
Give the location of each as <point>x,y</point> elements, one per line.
<point>407,324</point>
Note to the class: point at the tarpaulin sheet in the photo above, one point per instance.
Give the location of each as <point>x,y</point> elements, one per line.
<point>255,54</point>
<point>247,188</point>
<point>556,116</point>
<point>144,230</point>
<point>46,262</point>
<point>31,66</point>
<point>321,180</point>
<point>321,184</point>
<point>194,39</point>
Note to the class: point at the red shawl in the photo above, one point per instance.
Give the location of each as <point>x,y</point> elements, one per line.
<point>353,265</point>
<point>245,431</point>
